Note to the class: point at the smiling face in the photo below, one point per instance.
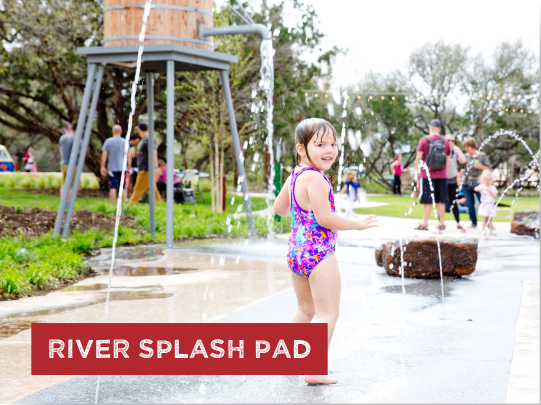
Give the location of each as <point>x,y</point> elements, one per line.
<point>322,149</point>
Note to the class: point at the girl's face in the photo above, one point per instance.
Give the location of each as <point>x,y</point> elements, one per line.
<point>487,181</point>
<point>322,150</point>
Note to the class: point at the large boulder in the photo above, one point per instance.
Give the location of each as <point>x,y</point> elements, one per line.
<point>526,222</point>
<point>421,259</point>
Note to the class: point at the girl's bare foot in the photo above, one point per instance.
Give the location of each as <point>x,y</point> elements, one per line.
<point>319,379</point>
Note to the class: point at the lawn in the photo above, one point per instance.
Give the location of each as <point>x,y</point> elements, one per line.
<point>399,206</point>
<point>13,198</point>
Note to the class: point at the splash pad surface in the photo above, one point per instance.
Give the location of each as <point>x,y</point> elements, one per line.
<point>388,346</point>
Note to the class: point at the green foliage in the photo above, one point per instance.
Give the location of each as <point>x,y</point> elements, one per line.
<point>40,181</point>
<point>38,263</point>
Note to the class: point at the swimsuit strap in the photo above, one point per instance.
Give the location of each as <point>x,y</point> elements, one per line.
<point>294,179</point>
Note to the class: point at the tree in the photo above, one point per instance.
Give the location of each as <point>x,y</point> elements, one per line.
<point>434,72</point>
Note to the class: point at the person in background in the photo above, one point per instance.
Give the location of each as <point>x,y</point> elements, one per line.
<point>141,184</point>
<point>476,162</point>
<point>161,176</point>
<point>29,161</point>
<point>65,144</point>
<point>487,208</point>
<point>438,177</point>
<point>396,169</point>
<point>113,154</point>
<point>453,177</point>
<point>132,163</point>
<point>351,188</point>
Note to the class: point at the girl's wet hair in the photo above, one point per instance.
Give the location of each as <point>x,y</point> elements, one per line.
<point>307,129</point>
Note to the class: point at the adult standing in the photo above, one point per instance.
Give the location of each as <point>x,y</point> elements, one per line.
<point>435,151</point>
<point>476,162</point>
<point>396,169</point>
<point>132,162</point>
<point>452,178</point>
<point>141,184</point>
<point>113,154</point>
<point>65,144</point>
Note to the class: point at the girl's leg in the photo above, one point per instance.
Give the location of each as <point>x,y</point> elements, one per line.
<point>325,286</point>
<point>484,223</point>
<point>306,310</point>
<point>350,210</point>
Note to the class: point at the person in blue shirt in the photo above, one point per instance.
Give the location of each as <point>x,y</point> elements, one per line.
<point>351,188</point>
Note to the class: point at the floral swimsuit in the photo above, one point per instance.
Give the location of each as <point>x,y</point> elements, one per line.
<point>309,242</point>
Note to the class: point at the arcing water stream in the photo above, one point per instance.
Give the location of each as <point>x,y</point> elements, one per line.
<point>124,164</point>
<point>266,84</point>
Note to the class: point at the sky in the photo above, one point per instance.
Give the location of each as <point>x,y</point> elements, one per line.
<point>380,34</point>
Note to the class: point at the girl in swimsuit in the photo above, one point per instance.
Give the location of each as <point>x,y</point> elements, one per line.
<point>307,196</point>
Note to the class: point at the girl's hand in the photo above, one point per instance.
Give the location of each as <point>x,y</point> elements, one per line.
<point>369,221</point>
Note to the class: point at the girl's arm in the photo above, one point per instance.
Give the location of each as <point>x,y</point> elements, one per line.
<point>344,189</point>
<point>392,166</point>
<point>282,203</point>
<point>318,194</point>
<point>480,187</point>
<point>493,191</point>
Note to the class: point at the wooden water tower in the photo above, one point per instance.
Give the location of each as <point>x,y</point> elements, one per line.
<point>171,22</point>
<point>176,39</point>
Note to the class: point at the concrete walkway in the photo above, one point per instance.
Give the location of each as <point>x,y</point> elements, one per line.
<point>523,385</point>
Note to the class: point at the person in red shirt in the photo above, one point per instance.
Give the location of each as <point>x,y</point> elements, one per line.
<point>437,176</point>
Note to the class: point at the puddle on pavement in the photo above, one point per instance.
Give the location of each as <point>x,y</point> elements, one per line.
<point>12,327</point>
<point>152,292</point>
<point>425,288</point>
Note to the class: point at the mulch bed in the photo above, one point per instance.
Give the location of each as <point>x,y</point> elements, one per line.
<point>82,193</point>
<point>32,222</point>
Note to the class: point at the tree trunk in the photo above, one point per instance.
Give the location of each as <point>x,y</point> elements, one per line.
<point>211,169</point>
<point>236,175</point>
<point>217,173</point>
<point>222,181</point>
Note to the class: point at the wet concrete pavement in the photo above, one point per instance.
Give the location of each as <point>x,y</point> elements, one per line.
<point>389,346</point>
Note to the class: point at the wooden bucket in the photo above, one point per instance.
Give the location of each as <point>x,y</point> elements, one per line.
<point>169,22</point>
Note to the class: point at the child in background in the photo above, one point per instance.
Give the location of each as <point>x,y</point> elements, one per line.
<point>351,188</point>
<point>487,209</point>
<point>307,196</point>
<point>396,170</point>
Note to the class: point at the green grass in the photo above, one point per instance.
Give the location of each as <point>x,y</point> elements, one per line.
<point>26,265</point>
<point>399,206</point>
<point>13,198</point>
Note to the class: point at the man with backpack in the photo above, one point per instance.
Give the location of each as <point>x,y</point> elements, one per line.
<point>435,152</point>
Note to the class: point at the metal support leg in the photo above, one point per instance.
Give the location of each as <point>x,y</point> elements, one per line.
<point>84,147</point>
<point>170,153</point>
<point>91,73</point>
<point>151,163</point>
<point>224,75</point>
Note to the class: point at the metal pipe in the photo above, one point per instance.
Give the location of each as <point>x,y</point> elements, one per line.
<point>151,163</point>
<point>84,147</point>
<point>224,75</point>
<point>170,152</point>
<point>91,73</point>
<point>205,31</point>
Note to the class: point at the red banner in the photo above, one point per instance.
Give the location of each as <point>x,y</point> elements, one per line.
<point>179,348</point>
